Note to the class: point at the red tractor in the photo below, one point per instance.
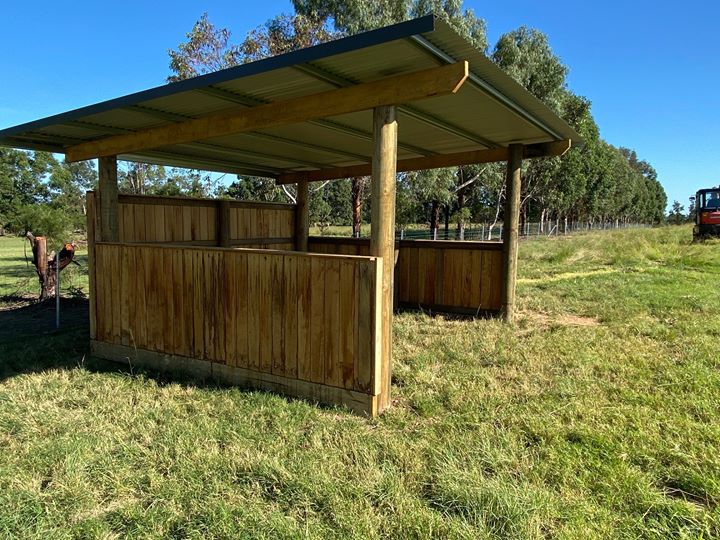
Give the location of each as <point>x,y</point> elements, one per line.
<point>707,214</point>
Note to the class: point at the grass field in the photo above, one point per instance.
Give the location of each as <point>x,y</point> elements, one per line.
<point>17,274</point>
<point>595,417</point>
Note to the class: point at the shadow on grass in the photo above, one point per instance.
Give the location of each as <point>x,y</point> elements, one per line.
<point>30,343</point>
<point>18,271</point>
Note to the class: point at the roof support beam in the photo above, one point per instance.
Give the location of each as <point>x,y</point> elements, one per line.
<point>438,81</point>
<point>556,148</point>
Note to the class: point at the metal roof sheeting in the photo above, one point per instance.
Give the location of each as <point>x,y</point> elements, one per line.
<point>490,110</point>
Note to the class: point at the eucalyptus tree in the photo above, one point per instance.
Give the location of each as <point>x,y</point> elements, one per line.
<point>432,189</point>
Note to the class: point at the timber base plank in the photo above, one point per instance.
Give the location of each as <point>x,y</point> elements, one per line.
<point>244,378</point>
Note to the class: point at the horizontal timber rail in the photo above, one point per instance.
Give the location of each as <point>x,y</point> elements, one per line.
<point>198,201</point>
<point>302,324</point>
<point>445,244</point>
<point>492,155</point>
<point>203,222</point>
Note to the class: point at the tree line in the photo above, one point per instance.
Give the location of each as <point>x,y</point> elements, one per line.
<point>595,183</point>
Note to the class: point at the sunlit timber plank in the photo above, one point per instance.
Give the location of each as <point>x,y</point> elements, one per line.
<point>439,81</point>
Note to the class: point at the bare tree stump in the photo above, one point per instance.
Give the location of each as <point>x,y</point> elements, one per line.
<point>45,265</point>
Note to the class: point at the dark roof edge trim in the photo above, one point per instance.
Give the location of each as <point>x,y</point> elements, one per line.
<point>358,41</point>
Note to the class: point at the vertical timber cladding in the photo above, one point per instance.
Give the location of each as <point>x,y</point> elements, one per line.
<point>208,222</point>
<point>300,324</point>
<point>449,276</point>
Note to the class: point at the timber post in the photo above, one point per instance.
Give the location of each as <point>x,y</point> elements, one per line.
<point>511,222</point>
<point>302,216</point>
<point>382,233</point>
<point>108,188</point>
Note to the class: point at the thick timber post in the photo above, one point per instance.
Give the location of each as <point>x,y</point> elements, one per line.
<point>511,223</point>
<point>302,216</point>
<point>107,182</point>
<point>382,234</point>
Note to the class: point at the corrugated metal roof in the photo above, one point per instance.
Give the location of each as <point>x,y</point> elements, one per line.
<point>490,110</point>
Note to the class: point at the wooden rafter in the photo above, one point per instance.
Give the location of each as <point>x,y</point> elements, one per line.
<point>432,82</point>
<point>556,148</point>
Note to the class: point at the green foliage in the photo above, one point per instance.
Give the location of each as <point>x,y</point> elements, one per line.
<point>253,188</point>
<point>146,179</point>
<point>205,51</point>
<point>348,17</point>
<point>43,220</point>
<point>676,216</point>
<point>597,182</point>
<point>525,55</point>
<point>21,181</point>
<point>42,195</point>
<point>284,33</point>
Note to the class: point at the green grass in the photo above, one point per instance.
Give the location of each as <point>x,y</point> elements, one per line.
<point>18,277</point>
<point>595,417</point>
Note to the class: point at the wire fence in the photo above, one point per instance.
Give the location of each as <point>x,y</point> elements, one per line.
<point>487,231</point>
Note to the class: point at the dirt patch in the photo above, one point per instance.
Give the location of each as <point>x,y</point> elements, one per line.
<point>538,320</point>
<point>568,276</point>
<point>577,320</point>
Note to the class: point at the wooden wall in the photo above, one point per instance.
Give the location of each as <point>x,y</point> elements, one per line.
<point>259,314</point>
<point>450,276</point>
<point>146,219</point>
<point>294,316</point>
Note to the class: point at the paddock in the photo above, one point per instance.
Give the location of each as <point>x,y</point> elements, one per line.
<point>239,291</point>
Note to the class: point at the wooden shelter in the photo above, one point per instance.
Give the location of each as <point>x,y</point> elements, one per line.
<point>238,291</point>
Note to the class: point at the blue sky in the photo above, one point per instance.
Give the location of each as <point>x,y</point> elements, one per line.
<point>651,69</point>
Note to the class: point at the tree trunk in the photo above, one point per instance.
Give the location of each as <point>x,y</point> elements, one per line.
<point>358,183</point>
<point>44,263</point>
<point>460,234</point>
<point>434,219</point>
<point>447,222</point>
